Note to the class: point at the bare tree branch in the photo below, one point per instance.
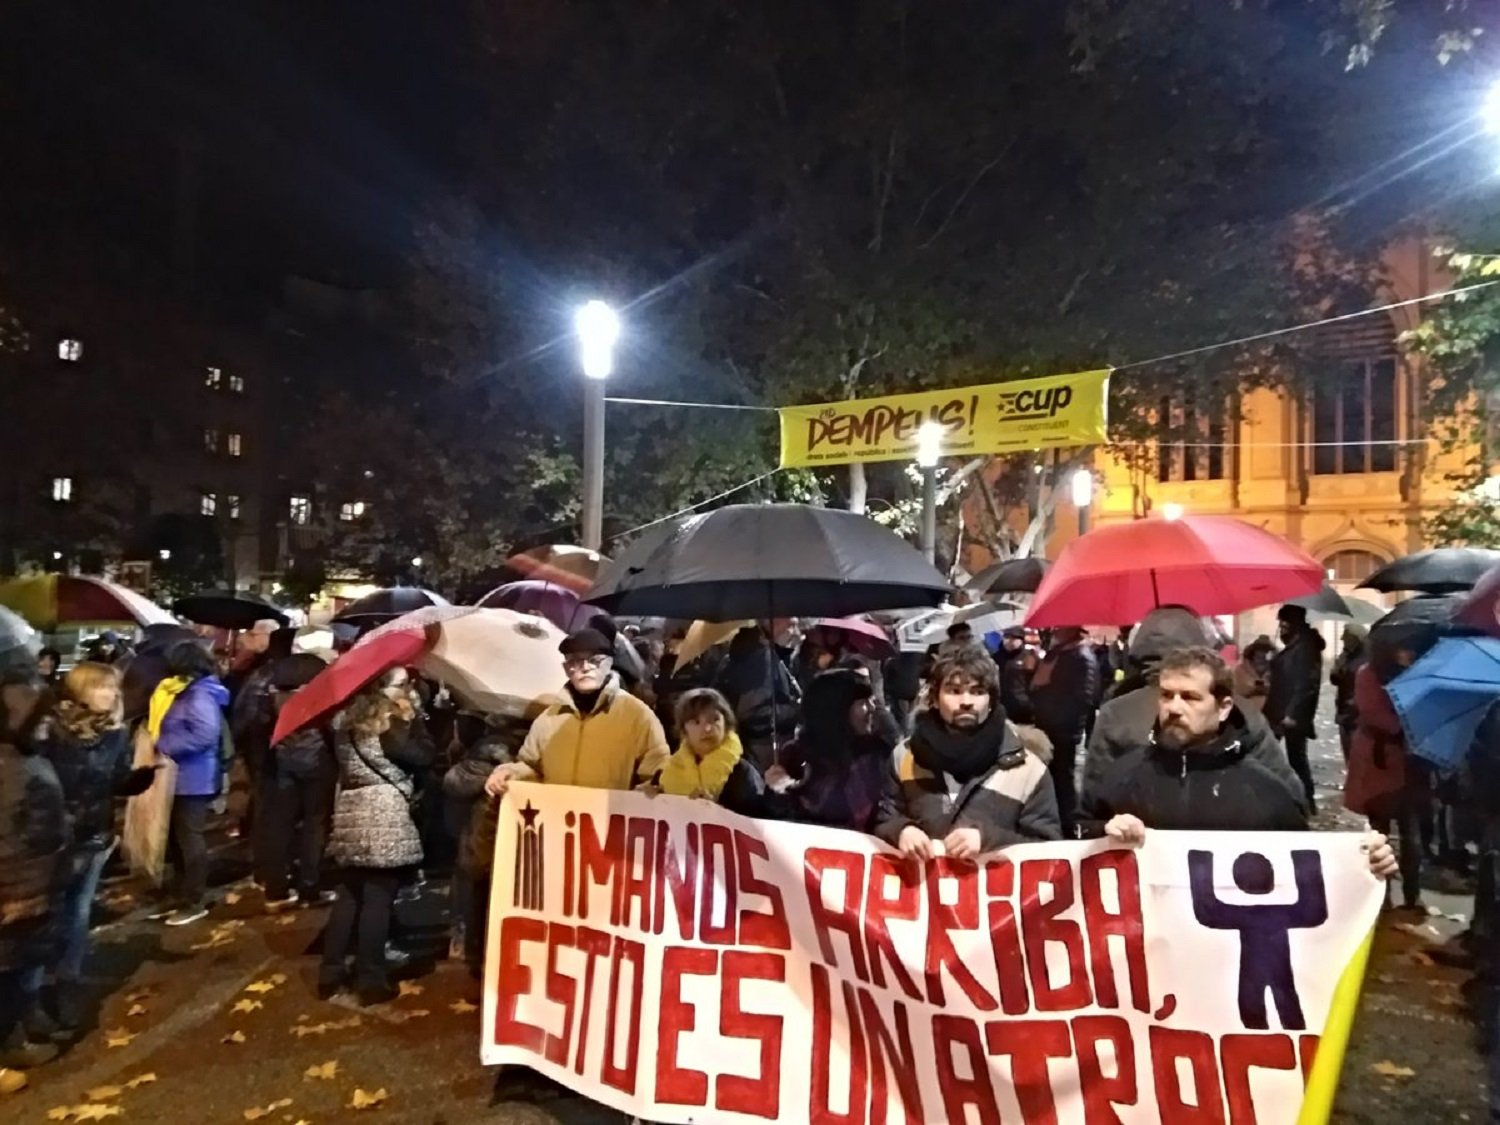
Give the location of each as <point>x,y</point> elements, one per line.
<point>964,195</point>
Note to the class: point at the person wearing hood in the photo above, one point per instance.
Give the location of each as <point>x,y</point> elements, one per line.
<point>963,779</point>
<point>1195,775</point>
<point>1126,720</point>
<point>1350,660</point>
<point>597,735</point>
<point>1063,692</point>
<point>1292,694</point>
<point>187,724</point>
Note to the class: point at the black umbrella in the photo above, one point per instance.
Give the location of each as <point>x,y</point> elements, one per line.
<point>1443,570</point>
<point>767,560</point>
<point>229,609</point>
<point>387,605</point>
<point>1327,602</point>
<point>1009,576</point>
<point>1416,624</point>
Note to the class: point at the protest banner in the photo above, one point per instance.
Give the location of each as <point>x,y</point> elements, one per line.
<point>683,964</point>
<point>1045,413</point>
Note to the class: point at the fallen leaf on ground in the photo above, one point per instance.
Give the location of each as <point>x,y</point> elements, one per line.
<point>326,1070</point>
<point>277,978</point>
<point>260,986</point>
<point>59,1113</point>
<point>118,1037</point>
<point>136,1010</point>
<point>95,1112</point>
<point>257,1112</point>
<point>142,1079</point>
<point>1388,1069</point>
<point>245,1006</point>
<point>304,1029</point>
<point>104,1093</point>
<point>212,943</point>
<point>463,1007</point>
<point>285,920</point>
<point>362,1100</point>
<point>409,988</point>
<point>12,1081</point>
<point>1421,958</point>
<point>234,1037</point>
<point>402,1015</point>
<point>232,898</point>
<point>139,994</point>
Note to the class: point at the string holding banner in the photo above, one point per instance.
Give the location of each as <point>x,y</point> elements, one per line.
<point>1044,413</point>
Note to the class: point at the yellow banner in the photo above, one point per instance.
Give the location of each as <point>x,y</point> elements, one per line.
<point>1057,410</point>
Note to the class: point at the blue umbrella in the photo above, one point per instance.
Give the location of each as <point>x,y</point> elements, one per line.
<point>1444,696</point>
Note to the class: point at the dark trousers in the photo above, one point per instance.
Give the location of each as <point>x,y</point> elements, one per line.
<point>189,848</point>
<point>362,918</point>
<point>475,911</point>
<point>1408,824</point>
<point>1064,770</point>
<point>1296,755</point>
<point>15,1001</point>
<point>293,825</point>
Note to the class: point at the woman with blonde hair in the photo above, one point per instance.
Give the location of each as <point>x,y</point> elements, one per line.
<point>85,739</point>
<point>374,841</point>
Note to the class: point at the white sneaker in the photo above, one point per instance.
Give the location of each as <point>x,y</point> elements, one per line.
<point>186,916</point>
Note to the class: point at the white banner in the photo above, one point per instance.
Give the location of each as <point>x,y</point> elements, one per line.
<point>684,964</point>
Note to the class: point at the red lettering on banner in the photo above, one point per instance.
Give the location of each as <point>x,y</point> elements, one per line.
<point>623,1076</point>
<point>768,930</point>
<point>515,982</point>
<point>718,866</point>
<point>1041,926</point>
<point>1167,1046</point>
<point>1307,1051</point>
<point>595,945</point>
<point>897,1053</point>
<point>682,880</point>
<point>943,920</point>
<point>639,871</point>
<point>844,919</point>
<point>600,863</point>
<point>561,990</point>
<point>1005,937</point>
<point>818,1110</point>
<point>1126,925</point>
<point>1242,1053</point>
<point>677,1085</point>
<point>1102,1093</point>
<point>960,1092</point>
<point>1030,1043</point>
<point>906,906</point>
<point>756,1097</point>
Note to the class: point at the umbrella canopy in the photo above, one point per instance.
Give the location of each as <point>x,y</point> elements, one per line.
<point>493,660</point>
<point>572,568</point>
<point>19,642</point>
<point>1010,576</point>
<point>704,635</point>
<point>558,604</point>
<point>1443,570</point>
<point>1444,696</point>
<point>1328,602</point>
<point>387,605</point>
<point>1481,609</point>
<point>147,666</point>
<point>1415,624</point>
<point>50,601</point>
<point>864,637</point>
<point>767,560</point>
<point>1211,564</point>
<point>229,609</point>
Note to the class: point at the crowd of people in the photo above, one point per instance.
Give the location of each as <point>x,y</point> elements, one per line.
<point>970,747</point>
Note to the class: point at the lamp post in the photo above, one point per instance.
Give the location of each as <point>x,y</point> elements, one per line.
<point>1082,485</point>
<point>598,329</point>
<point>929,450</point>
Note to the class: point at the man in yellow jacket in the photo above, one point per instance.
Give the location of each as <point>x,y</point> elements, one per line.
<point>597,735</point>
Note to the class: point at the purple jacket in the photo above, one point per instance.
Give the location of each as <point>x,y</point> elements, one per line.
<point>190,736</point>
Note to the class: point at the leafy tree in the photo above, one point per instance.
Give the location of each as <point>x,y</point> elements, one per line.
<point>187,554</point>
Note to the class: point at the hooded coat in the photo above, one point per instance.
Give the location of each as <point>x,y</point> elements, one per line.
<point>842,775</point>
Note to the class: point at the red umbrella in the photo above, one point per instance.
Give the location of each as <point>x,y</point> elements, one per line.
<point>1211,564</point>
<point>1481,609</point>
<point>864,637</point>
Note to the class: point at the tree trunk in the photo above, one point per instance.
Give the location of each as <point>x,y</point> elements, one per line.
<point>859,487</point>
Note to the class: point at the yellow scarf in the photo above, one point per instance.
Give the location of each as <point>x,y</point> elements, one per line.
<point>162,698</point>
<point>686,774</point>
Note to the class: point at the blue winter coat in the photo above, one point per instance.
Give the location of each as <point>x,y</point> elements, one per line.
<point>191,735</point>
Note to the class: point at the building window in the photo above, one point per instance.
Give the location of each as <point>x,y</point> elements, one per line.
<point>235,445</point>
<point>351,511</point>
<point>208,504</point>
<point>237,384</point>
<point>62,489</point>
<point>232,506</point>
<point>1354,418</point>
<point>211,440</point>
<point>1352,566</point>
<point>213,378</point>
<point>70,350</point>
<point>1192,440</point>
<point>300,510</point>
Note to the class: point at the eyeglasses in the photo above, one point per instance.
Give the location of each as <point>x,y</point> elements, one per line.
<point>580,663</point>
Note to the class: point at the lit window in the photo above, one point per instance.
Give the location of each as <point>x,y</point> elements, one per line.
<point>300,510</point>
<point>213,378</point>
<point>237,384</point>
<point>70,350</point>
<point>211,440</point>
<point>208,504</point>
<point>62,489</point>
<point>234,445</point>
<point>232,505</point>
<point>352,511</point>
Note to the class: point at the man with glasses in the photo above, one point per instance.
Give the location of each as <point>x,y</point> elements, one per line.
<point>597,735</point>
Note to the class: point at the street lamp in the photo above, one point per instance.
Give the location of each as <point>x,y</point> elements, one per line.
<point>1082,484</point>
<point>598,328</point>
<point>164,554</point>
<point>929,451</point>
<point>417,562</point>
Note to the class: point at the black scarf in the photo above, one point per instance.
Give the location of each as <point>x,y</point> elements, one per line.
<point>962,754</point>
<point>585,702</point>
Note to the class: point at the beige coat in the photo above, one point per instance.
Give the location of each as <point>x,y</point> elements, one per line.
<point>616,746</point>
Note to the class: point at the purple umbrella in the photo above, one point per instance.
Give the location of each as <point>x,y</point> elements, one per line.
<point>542,599</point>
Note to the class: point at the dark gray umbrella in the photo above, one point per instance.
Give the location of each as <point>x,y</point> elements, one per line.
<point>767,560</point>
<point>386,605</point>
<point>1009,576</point>
<point>1416,624</point>
<point>1442,570</point>
<point>229,609</point>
